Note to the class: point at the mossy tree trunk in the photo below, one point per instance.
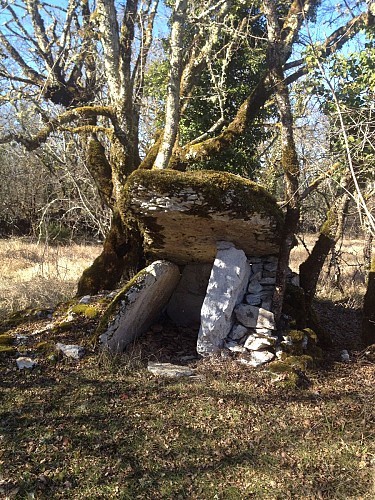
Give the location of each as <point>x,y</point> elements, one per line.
<point>277,52</point>
<point>122,254</point>
<point>124,33</point>
<point>368,322</point>
<point>330,233</point>
<point>121,257</point>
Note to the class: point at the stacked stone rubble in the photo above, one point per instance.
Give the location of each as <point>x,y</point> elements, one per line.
<point>254,330</point>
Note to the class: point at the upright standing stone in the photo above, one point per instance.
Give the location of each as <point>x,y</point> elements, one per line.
<point>226,288</point>
<point>138,305</point>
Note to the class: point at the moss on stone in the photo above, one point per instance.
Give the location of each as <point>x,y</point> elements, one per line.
<point>112,308</point>
<point>87,310</point>
<point>45,347</point>
<point>301,362</point>
<point>250,198</point>
<point>291,371</point>
<point>304,342</point>
<point>296,335</point>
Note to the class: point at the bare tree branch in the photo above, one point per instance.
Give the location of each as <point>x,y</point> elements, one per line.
<point>32,143</point>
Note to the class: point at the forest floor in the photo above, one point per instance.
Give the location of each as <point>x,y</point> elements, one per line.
<point>104,427</point>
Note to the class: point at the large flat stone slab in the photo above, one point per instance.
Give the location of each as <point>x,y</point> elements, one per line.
<point>138,305</point>
<point>169,370</point>
<point>183,215</point>
<point>226,288</point>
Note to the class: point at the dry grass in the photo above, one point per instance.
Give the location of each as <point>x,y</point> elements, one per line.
<point>42,275</point>
<point>95,429</point>
<point>39,275</point>
<point>345,279</point>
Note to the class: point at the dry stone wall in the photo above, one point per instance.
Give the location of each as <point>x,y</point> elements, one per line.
<point>182,217</point>
<point>236,313</point>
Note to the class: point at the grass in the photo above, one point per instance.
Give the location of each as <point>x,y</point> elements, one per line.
<point>345,278</point>
<point>39,275</point>
<point>97,430</point>
<point>105,428</point>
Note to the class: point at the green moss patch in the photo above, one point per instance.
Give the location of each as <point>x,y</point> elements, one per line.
<point>111,310</point>
<point>290,371</point>
<point>243,196</point>
<point>89,311</point>
<point>45,347</point>
<point>291,362</point>
<point>19,317</point>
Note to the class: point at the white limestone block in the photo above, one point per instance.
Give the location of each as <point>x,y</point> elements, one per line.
<point>255,317</point>
<point>226,288</point>
<point>257,358</point>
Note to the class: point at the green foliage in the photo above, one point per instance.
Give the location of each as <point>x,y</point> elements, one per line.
<point>210,96</point>
<point>204,110</point>
<point>344,87</point>
<point>155,88</point>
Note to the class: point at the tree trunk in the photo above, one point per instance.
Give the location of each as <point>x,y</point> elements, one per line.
<point>121,257</point>
<point>289,160</point>
<point>368,322</point>
<point>172,111</point>
<point>330,233</point>
<point>367,249</point>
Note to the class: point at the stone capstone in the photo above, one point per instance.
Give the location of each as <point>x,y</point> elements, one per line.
<point>138,305</point>
<point>226,288</point>
<point>183,215</point>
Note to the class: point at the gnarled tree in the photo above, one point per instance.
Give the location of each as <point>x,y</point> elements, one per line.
<point>91,59</point>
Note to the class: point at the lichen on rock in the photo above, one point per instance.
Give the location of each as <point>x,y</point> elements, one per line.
<point>182,215</point>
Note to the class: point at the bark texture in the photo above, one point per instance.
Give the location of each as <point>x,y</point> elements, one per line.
<point>122,250</point>
<point>277,54</point>
<point>172,111</point>
<point>368,323</point>
<point>330,233</point>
